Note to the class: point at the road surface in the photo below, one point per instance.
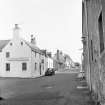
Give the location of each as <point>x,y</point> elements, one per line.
<point>60,89</point>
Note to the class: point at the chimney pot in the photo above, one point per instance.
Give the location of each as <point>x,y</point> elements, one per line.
<point>16,26</point>
<point>33,40</point>
<point>16,31</point>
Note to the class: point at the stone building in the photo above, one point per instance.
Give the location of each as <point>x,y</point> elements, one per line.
<point>62,61</point>
<point>59,60</point>
<point>93,38</point>
<point>68,62</point>
<point>49,60</point>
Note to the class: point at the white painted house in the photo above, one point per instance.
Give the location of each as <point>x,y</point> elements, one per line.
<point>68,61</point>
<point>49,61</point>
<point>19,58</point>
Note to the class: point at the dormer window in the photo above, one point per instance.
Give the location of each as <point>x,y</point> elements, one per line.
<point>11,44</point>
<point>7,54</point>
<point>21,43</point>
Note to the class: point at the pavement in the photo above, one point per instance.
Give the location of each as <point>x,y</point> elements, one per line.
<point>66,72</point>
<point>72,70</point>
<point>60,89</point>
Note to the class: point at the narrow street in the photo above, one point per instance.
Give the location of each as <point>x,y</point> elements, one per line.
<point>60,89</point>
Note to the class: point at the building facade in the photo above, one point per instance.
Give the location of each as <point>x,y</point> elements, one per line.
<point>62,61</point>
<point>93,38</point>
<point>19,58</point>
<point>59,61</point>
<point>50,61</point>
<point>68,62</point>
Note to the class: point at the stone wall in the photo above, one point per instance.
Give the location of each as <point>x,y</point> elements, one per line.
<point>94,60</point>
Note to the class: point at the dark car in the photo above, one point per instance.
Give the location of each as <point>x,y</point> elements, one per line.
<point>50,72</point>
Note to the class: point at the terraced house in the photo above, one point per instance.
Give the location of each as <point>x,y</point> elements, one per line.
<point>93,35</point>
<point>20,58</point>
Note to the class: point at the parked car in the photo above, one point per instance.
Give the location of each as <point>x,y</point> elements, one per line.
<point>49,72</point>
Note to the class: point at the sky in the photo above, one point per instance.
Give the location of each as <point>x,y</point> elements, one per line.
<point>56,24</point>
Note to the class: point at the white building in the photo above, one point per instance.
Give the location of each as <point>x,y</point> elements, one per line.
<point>68,61</point>
<point>19,58</point>
<point>48,60</point>
<point>50,63</point>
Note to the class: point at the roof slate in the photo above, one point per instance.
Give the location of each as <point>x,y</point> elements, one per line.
<point>33,47</point>
<point>3,43</point>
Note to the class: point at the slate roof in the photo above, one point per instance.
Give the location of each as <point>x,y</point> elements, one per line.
<point>3,43</point>
<point>67,56</point>
<point>33,47</point>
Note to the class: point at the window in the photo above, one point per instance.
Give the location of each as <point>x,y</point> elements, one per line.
<point>35,66</point>
<point>101,38</point>
<point>7,66</point>
<point>7,54</point>
<point>35,54</point>
<point>21,43</point>
<point>24,66</point>
<point>11,44</point>
<point>42,60</point>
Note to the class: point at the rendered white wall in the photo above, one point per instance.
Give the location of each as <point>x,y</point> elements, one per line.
<point>18,54</point>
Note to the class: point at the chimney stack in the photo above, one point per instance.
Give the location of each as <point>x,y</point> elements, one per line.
<point>16,31</point>
<point>49,54</point>
<point>33,40</point>
<point>57,54</point>
<point>45,52</point>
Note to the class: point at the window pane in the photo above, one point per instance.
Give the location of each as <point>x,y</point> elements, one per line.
<point>21,43</point>
<point>7,54</point>
<point>24,66</point>
<point>11,44</point>
<point>7,67</point>
<point>42,60</point>
<point>35,66</point>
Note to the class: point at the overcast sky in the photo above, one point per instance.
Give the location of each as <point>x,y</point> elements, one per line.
<point>57,24</point>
